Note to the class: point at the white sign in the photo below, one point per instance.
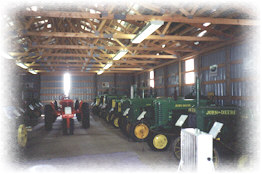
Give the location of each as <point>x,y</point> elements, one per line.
<point>68,110</point>
<point>141,116</point>
<point>181,120</point>
<point>126,111</point>
<point>215,129</point>
<point>213,70</point>
<point>105,84</point>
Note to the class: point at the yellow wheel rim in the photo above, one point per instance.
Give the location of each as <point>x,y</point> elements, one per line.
<point>141,131</point>
<point>22,135</point>
<point>160,141</point>
<point>116,122</point>
<point>107,117</point>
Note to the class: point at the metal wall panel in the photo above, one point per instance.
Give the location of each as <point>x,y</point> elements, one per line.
<point>159,81</point>
<point>82,88</point>
<point>217,57</point>
<point>123,83</point>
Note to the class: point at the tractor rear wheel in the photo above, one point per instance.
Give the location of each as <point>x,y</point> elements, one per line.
<point>140,131</point>
<point>49,117</point>
<point>85,116</point>
<point>158,142</point>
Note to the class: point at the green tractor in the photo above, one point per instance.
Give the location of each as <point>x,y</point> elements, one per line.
<point>95,105</point>
<point>116,112</point>
<point>204,117</point>
<point>136,117</point>
<point>167,111</point>
<point>107,105</point>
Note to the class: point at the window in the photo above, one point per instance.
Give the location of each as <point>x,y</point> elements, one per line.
<point>67,82</point>
<point>189,75</point>
<point>152,81</point>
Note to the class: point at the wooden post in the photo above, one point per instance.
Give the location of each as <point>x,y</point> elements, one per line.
<point>165,81</point>
<point>95,84</point>
<point>180,77</point>
<point>228,77</point>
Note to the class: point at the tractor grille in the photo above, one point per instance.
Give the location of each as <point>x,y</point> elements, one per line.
<point>161,111</point>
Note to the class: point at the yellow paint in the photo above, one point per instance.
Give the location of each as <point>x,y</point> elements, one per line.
<point>97,101</point>
<point>22,135</point>
<point>113,103</point>
<point>192,110</point>
<point>119,107</point>
<point>141,131</point>
<point>160,141</point>
<point>221,112</point>
<point>182,105</point>
<point>116,122</point>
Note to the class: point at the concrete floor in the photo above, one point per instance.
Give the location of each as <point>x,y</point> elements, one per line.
<point>101,147</point>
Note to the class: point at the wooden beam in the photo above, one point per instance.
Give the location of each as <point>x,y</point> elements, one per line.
<point>83,47</point>
<point>109,56</point>
<point>121,36</point>
<point>175,18</point>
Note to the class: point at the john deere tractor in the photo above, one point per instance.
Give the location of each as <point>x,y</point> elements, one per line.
<point>137,116</point>
<point>115,112</point>
<point>167,111</point>
<point>95,105</point>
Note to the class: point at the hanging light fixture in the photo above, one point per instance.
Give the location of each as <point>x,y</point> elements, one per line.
<point>120,54</point>
<point>150,28</point>
<point>22,65</point>
<point>32,71</point>
<point>108,65</point>
<point>100,71</point>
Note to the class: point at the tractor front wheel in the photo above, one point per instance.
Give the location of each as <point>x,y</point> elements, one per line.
<point>158,141</point>
<point>140,131</point>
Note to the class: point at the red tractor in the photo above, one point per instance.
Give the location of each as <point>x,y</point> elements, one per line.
<point>67,110</point>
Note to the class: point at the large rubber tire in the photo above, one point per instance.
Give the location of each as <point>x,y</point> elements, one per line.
<point>85,116</point>
<point>71,129</point>
<point>158,141</point>
<point>139,131</point>
<point>64,127</point>
<point>122,125</point>
<point>49,117</point>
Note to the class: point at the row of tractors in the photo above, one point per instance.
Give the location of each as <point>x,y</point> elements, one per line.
<point>22,118</point>
<point>158,121</point>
